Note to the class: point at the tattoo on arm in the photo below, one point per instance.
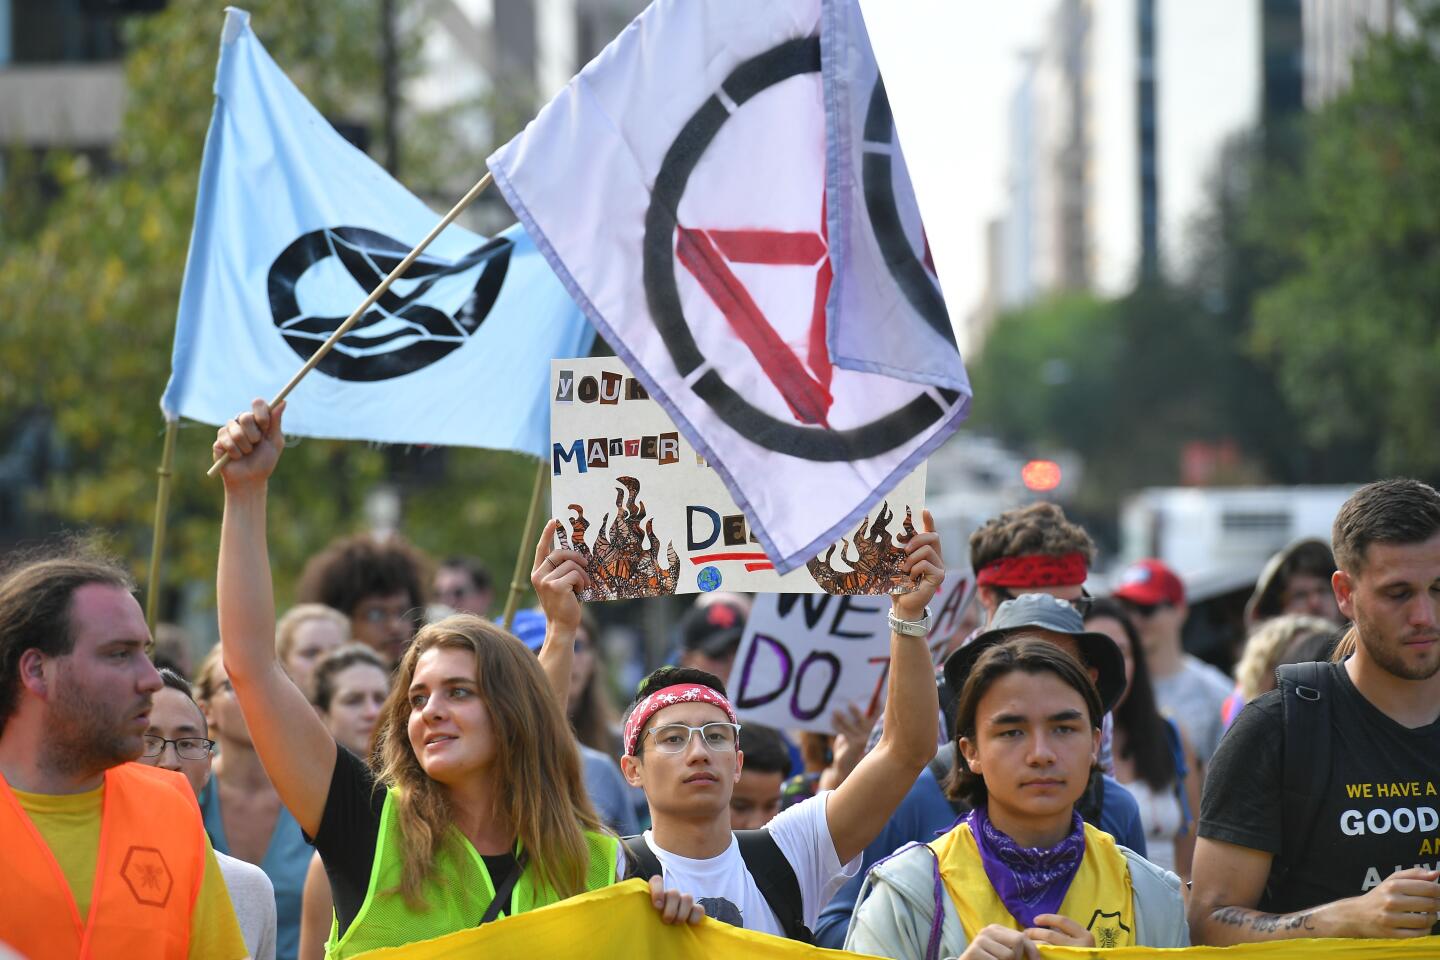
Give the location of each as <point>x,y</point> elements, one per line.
<point>1262,922</point>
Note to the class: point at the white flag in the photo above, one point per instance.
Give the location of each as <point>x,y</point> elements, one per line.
<point>677,186</point>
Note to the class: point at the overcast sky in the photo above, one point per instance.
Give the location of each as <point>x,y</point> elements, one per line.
<point>949,84</point>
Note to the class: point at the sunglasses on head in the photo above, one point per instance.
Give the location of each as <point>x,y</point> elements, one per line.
<point>1081,603</point>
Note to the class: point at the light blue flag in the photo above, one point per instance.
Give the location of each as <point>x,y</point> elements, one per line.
<point>293,228</point>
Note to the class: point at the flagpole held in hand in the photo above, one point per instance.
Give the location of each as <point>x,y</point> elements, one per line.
<point>518,579</point>
<point>370,301</point>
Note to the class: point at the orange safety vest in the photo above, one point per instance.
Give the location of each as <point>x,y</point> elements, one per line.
<point>148,872</point>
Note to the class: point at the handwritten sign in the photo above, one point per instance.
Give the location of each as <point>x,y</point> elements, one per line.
<point>653,518</point>
<point>804,657</point>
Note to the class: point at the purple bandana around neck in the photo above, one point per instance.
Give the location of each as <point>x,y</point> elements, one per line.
<point>1029,880</point>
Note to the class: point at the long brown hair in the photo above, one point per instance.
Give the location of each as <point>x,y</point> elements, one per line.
<point>595,719</point>
<point>537,762</point>
<point>1023,653</point>
<point>1346,644</point>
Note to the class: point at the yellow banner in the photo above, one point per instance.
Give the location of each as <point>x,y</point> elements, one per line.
<point>618,923</point>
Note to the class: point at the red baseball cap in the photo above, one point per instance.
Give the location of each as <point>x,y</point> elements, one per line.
<point>1150,583</point>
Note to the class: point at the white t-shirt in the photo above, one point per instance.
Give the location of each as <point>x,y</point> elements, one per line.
<point>253,897</point>
<point>728,892</point>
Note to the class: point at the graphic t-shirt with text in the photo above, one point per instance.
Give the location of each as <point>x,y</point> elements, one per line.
<point>1380,812</point>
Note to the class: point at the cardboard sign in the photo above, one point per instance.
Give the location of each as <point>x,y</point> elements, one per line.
<point>804,657</point>
<point>653,518</point>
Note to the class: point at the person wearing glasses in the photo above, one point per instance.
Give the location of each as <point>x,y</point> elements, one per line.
<point>471,806</point>
<point>1187,688</point>
<point>378,584</point>
<point>88,835</point>
<point>464,585</point>
<point>680,742</point>
<point>177,740</point>
<point>243,811</point>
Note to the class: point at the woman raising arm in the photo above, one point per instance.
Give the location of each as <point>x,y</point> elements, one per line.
<point>474,806</point>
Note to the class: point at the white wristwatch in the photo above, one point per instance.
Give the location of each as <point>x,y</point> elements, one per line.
<point>910,628</point>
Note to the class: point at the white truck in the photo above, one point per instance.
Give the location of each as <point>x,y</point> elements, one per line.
<point>1218,538</point>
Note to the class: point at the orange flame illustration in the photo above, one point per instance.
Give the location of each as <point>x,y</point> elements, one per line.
<point>625,561</point>
<point>875,567</point>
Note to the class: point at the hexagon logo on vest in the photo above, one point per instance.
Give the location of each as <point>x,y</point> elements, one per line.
<point>147,875</point>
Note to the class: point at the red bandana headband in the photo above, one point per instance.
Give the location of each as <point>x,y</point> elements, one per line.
<point>1035,570</point>
<point>668,697</point>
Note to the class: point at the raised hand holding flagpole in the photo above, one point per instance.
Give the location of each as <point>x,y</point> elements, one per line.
<point>369,302</point>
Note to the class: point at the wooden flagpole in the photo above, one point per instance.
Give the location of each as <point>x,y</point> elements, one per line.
<point>375,295</point>
<point>157,542</point>
<point>518,581</point>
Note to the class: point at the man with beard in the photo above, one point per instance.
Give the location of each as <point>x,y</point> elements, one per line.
<point>104,857</point>
<point>1319,817</point>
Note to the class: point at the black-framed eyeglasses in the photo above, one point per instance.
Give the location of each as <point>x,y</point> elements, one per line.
<point>1082,603</point>
<point>186,748</point>
<point>719,736</point>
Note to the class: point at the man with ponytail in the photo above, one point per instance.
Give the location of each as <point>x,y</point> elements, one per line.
<point>1319,814</point>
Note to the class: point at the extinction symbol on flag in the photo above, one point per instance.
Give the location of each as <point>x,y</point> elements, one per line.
<point>402,333</point>
<point>456,353</point>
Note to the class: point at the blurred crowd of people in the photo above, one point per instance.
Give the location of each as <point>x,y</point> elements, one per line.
<point>382,763</point>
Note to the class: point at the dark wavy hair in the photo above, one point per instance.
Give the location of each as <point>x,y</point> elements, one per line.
<point>1040,528</point>
<point>1138,715</point>
<point>353,568</point>
<point>1022,653</point>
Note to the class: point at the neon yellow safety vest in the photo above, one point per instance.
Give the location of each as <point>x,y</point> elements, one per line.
<point>456,894</point>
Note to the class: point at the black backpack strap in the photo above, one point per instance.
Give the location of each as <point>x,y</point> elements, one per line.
<point>776,880</point>
<point>640,860</point>
<point>1306,690</point>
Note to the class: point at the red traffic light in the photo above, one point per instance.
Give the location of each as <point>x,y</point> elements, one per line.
<point>1040,475</point>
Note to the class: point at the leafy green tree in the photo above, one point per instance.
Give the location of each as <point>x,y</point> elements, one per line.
<point>1353,328</point>
<point>89,287</point>
<point>1123,383</point>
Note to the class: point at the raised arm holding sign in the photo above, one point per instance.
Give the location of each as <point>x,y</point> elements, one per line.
<point>681,748</point>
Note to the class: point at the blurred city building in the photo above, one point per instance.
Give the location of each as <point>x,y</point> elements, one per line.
<point>1113,124</point>
<point>1335,31</point>
<point>1118,119</point>
<point>60,75</point>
